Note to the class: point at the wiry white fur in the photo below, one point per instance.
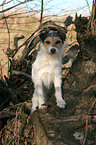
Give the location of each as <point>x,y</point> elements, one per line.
<point>47,69</point>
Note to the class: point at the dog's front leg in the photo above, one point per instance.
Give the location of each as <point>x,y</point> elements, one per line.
<point>58,93</point>
<point>38,98</point>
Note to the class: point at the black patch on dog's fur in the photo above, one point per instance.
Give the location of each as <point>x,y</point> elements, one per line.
<point>44,35</point>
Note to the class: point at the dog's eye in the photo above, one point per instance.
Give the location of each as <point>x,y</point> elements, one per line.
<point>57,42</point>
<point>47,42</point>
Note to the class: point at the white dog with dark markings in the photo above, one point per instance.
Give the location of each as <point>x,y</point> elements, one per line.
<point>47,68</point>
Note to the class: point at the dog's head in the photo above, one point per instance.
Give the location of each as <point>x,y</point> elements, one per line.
<point>52,41</point>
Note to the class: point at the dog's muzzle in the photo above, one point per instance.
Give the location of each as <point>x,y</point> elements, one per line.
<point>53,50</point>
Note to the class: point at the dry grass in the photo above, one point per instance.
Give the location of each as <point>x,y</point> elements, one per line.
<point>18,26</point>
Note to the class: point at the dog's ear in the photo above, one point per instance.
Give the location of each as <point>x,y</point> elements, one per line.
<point>43,36</point>
<point>62,33</point>
<point>63,37</point>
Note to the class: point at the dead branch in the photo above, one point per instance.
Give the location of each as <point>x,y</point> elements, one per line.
<point>16,41</point>
<point>41,12</point>
<point>8,37</point>
<point>13,6</point>
<point>20,72</point>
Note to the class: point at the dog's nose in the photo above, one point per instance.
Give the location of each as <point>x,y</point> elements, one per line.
<point>53,50</point>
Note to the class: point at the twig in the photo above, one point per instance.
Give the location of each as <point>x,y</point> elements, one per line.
<point>88,6</point>
<point>6,127</point>
<point>14,6</point>
<point>8,35</point>
<point>87,118</point>
<point>1,74</point>
<point>15,127</point>
<point>86,130</point>
<point>92,107</point>
<point>4,3</point>
<point>21,73</point>
<point>41,12</point>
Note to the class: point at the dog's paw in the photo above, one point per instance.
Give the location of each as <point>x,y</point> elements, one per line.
<point>37,105</point>
<point>41,106</point>
<point>61,103</point>
<point>34,104</point>
<point>34,108</point>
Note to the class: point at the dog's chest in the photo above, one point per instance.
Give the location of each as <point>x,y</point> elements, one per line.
<point>46,64</point>
<point>45,68</point>
<point>47,78</point>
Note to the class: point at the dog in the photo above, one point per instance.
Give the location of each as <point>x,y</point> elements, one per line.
<point>47,68</point>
